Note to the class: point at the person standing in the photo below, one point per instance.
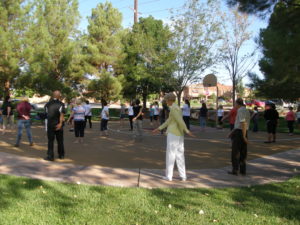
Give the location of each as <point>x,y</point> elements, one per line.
<point>239,139</point>
<point>55,110</point>
<point>7,114</point>
<point>232,116</point>
<point>220,114</point>
<point>186,113</point>
<point>151,114</point>
<point>88,114</point>
<point>271,116</point>
<point>23,110</point>
<point>104,118</point>
<point>164,114</point>
<point>254,119</point>
<point>290,118</point>
<point>78,115</point>
<point>175,139</point>
<point>138,120</point>
<point>131,115</point>
<point>122,114</point>
<point>203,116</point>
<point>156,113</point>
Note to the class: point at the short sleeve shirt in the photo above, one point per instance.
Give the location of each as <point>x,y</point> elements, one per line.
<point>53,109</point>
<point>243,115</point>
<point>105,111</point>
<point>186,111</point>
<point>88,111</point>
<point>79,113</point>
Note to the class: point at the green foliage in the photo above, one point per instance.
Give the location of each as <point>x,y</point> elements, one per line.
<point>149,60</point>
<point>280,64</point>
<point>107,87</point>
<point>13,24</point>
<point>104,47</point>
<point>196,32</point>
<point>51,47</point>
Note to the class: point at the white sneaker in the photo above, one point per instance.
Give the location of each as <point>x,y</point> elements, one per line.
<point>166,178</point>
<point>183,179</point>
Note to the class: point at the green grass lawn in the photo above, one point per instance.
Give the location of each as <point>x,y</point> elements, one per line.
<point>27,201</point>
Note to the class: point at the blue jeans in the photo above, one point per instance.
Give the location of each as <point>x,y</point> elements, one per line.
<point>202,121</point>
<point>27,125</point>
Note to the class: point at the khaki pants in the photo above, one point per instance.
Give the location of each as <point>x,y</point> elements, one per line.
<point>138,129</point>
<point>7,120</point>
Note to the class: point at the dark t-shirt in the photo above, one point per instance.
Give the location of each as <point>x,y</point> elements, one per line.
<point>53,109</point>
<point>271,115</point>
<point>203,112</point>
<point>163,114</point>
<point>4,108</point>
<point>136,111</point>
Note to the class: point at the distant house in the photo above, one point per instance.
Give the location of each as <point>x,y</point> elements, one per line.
<point>197,91</point>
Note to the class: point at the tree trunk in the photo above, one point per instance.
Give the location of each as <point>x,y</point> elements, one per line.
<point>179,93</point>
<point>233,92</point>
<point>145,100</point>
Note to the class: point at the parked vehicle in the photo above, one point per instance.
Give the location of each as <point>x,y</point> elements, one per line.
<point>256,103</point>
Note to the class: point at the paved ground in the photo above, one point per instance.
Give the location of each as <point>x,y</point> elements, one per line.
<point>101,160</point>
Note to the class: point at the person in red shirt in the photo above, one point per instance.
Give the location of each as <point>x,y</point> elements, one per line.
<point>290,118</point>
<point>23,110</point>
<point>231,116</point>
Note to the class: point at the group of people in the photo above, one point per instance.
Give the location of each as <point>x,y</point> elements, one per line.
<point>172,118</point>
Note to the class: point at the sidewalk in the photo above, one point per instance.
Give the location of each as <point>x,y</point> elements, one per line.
<point>275,168</point>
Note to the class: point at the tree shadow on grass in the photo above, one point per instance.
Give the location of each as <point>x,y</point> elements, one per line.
<point>14,189</point>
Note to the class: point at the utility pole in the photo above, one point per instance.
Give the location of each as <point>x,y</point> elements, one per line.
<point>135,11</point>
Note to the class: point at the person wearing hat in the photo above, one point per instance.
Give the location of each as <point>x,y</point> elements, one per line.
<point>175,139</point>
<point>23,110</point>
<point>239,139</point>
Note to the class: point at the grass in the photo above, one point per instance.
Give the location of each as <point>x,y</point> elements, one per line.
<point>27,201</point>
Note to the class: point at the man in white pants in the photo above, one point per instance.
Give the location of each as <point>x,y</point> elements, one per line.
<point>175,139</point>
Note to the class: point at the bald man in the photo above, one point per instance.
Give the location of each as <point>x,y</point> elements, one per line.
<point>55,110</point>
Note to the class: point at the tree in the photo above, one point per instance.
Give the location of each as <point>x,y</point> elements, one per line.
<point>196,32</point>
<point>149,59</point>
<point>51,48</point>
<point>260,7</point>
<point>107,87</point>
<point>104,51</point>
<point>235,35</point>
<point>280,63</point>
<point>13,24</point>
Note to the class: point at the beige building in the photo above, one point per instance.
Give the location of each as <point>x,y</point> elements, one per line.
<point>194,91</point>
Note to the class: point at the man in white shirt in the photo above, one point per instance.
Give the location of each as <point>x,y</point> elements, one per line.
<point>239,139</point>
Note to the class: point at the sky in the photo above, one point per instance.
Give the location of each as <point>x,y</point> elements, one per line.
<point>160,9</point>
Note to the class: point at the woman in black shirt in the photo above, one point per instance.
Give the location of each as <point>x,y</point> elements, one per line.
<point>7,113</point>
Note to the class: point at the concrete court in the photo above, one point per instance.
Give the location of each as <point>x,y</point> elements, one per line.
<point>101,160</point>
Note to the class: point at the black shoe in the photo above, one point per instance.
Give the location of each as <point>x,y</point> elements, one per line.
<point>243,174</point>
<point>48,159</point>
<point>233,173</point>
<point>267,142</point>
<point>16,145</point>
<point>61,157</point>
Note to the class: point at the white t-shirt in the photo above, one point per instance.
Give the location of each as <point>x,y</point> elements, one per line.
<point>220,112</point>
<point>130,111</point>
<point>105,111</point>
<point>156,110</point>
<point>186,110</point>
<point>88,111</point>
<point>298,115</point>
